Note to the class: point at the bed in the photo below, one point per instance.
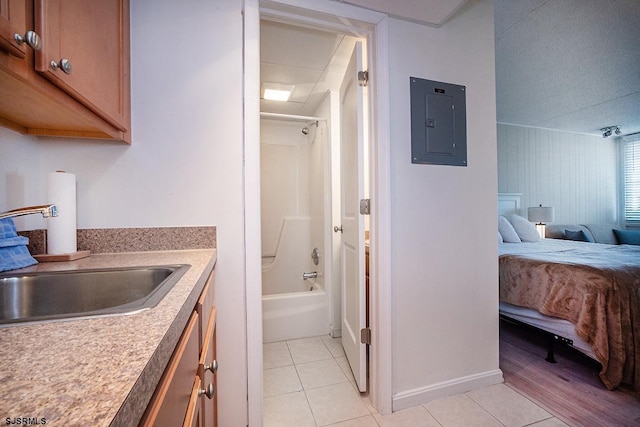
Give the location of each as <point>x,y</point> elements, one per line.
<point>586,293</point>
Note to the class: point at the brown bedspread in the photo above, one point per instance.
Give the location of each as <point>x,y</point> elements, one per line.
<point>597,291</point>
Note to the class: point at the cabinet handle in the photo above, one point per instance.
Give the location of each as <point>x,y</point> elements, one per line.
<point>64,65</point>
<point>337,229</point>
<point>31,38</point>
<point>209,391</point>
<point>213,367</point>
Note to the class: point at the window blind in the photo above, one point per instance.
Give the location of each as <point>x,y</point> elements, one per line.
<point>632,182</point>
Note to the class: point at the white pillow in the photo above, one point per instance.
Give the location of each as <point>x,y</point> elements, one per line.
<point>500,239</point>
<point>525,229</point>
<point>507,231</point>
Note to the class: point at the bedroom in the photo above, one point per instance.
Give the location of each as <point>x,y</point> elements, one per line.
<point>578,76</point>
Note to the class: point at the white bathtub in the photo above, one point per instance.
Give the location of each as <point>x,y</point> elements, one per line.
<point>294,315</point>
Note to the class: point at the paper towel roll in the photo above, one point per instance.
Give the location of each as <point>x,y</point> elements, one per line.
<point>61,229</point>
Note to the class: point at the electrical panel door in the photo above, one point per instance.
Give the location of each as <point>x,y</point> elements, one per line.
<point>438,123</point>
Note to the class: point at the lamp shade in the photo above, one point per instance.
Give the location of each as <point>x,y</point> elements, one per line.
<point>541,214</point>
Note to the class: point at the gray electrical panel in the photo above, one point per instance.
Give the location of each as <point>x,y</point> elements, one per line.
<point>438,123</point>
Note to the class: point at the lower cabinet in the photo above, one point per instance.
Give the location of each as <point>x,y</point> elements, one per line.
<point>187,393</point>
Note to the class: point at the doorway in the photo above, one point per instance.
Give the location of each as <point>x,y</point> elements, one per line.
<point>373,27</point>
<point>312,177</point>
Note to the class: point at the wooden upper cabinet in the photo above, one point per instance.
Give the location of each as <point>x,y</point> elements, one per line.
<point>92,98</point>
<point>13,20</point>
<point>86,54</point>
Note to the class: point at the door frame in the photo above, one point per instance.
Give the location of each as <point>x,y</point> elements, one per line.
<point>380,355</point>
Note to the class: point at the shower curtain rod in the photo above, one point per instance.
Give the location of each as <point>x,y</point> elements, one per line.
<point>290,116</point>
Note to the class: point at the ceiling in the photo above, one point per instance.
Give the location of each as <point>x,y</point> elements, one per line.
<point>312,60</point>
<point>570,65</point>
<point>431,12</point>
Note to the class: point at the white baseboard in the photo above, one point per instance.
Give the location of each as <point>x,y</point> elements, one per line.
<point>419,396</point>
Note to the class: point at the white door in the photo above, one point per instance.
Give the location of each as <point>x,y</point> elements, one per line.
<point>352,190</point>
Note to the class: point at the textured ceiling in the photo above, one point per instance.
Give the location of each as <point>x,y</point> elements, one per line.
<point>432,12</point>
<point>312,60</point>
<point>571,65</point>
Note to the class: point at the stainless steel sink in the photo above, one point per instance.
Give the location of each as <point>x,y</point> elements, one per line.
<point>48,296</point>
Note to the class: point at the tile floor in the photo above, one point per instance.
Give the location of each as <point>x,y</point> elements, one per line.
<point>308,382</point>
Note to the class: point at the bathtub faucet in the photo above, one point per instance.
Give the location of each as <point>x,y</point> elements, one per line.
<point>311,275</point>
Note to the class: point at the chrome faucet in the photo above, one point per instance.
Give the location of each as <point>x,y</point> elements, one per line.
<point>45,210</point>
<point>312,275</point>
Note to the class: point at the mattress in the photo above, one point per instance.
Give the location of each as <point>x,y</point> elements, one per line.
<point>595,287</point>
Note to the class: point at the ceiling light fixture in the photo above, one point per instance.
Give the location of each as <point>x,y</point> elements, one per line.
<point>276,92</point>
<point>607,131</point>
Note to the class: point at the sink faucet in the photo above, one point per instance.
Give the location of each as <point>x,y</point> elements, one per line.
<point>45,210</point>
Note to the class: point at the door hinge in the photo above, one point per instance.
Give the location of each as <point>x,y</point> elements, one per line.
<point>365,207</point>
<point>365,336</point>
<point>363,78</point>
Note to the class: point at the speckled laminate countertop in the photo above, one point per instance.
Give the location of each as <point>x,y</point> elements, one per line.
<point>99,371</point>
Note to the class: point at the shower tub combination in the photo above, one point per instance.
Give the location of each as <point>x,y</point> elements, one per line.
<point>292,307</point>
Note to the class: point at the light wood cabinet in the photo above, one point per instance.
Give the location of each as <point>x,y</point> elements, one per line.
<point>207,368</point>
<point>187,392</point>
<point>13,20</point>
<point>90,40</point>
<point>194,410</point>
<point>173,394</point>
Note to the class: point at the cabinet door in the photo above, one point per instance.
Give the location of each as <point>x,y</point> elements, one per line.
<point>207,371</point>
<point>93,36</point>
<point>204,306</point>
<point>173,394</point>
<point>13,21</point>
<point>194,411</point>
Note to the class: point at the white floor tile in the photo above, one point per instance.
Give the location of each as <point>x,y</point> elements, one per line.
<point>417,416</point>
<point>287,410</point>
<point>335,403</point>
<point>367,421</point>
<point>276,354</point>
<point>508,406</point>
<point>320,373</point>
<point>308,350</point>
<point>334,345</point>
<point>280,380</point>
<point>460,410</point>
<point>346,368</point>
<point>308,382</point>
<point>364,397</point>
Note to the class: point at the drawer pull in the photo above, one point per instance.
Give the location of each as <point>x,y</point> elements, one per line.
<point>31,38</point>
<point>213,367</point>
<point>64,65</point>
<point>209,391</point>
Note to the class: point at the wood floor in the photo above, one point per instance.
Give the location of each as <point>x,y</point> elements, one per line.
<point>569,389</point>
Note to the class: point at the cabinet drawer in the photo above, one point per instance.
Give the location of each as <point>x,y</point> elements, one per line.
<point>171,399</point>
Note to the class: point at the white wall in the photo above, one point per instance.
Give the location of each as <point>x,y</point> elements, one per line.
<point>285,158</point>
<point>575,173</point>
<point>292,202</point>
<point>444,254</point>
<point>185,164</point>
